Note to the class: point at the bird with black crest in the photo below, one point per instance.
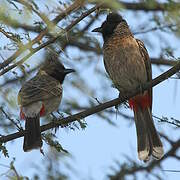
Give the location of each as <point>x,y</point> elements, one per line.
<point>39,97</point>
<point>128,64</point>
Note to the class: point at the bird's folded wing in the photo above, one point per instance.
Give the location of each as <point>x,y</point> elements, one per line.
<point>39,88</point>
<point>147,62</point>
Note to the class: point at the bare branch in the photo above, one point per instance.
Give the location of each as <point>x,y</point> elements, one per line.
<point>149,6</point>
<point>101,107</point>
<point>162,61</point>
<point>10,36</point>
<point>167,26</point>
<point>173,121</point>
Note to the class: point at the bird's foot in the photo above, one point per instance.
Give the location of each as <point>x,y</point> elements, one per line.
<point>117,105</point>
<point>54,120</point>
<point>62,116</point>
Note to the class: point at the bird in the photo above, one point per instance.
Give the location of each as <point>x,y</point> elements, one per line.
<point>128,65</point>
<point>39,97</point>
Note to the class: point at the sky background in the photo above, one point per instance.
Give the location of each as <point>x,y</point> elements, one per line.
<point>100,146</point>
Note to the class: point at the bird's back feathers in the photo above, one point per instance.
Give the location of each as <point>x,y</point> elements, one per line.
<point>39,88</point>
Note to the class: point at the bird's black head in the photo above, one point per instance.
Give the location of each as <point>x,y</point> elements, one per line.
<point>108,26</point>
<point>55,69</point>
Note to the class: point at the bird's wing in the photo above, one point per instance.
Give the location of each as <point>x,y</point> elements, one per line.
<point>39,88</point>
<point>147,62</point>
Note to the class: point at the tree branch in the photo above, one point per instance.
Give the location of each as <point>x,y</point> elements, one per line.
<point>162,61</point>
<point>52,40</point>
<point>154,6</point>
<point>98,108</point>
<point>29,45</point>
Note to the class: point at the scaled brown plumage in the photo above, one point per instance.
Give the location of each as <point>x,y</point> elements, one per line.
<point>40,96</point>
<point>127,62</point>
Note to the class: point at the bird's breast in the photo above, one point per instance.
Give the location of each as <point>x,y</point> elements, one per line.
<point>124,63</point>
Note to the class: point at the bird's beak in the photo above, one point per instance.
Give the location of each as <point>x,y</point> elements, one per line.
<point>99,29</point>
<point>67,71</point>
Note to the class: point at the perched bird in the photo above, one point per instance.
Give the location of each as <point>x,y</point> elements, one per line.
<point>127,62</point>
<point>38,97</point>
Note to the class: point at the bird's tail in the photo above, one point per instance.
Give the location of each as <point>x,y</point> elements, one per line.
<point>32,137</point>
<point>148,140</point>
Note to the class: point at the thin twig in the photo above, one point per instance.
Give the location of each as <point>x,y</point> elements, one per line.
<point>168,170</point>
<point>10,119</point>
<point>167,121</point>
<point>12,37</point>
<point>146,6</point>
<point>155,29</point>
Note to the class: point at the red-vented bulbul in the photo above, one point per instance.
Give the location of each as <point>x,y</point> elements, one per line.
<point>127,62</point>
<point>38,97</point>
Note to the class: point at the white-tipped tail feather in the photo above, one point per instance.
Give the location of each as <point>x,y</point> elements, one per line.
<point>143,155</point>
<point>148,140</point>
<point>158,152</point>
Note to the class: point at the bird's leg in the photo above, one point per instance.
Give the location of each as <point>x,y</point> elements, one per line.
<point>117,105</point>
<point>122,95</point>
<point>62,116</point>
<point>56,127</point>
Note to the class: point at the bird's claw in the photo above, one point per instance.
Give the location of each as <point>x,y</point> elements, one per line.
<point>56,127</point>
<point>117,105</point>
